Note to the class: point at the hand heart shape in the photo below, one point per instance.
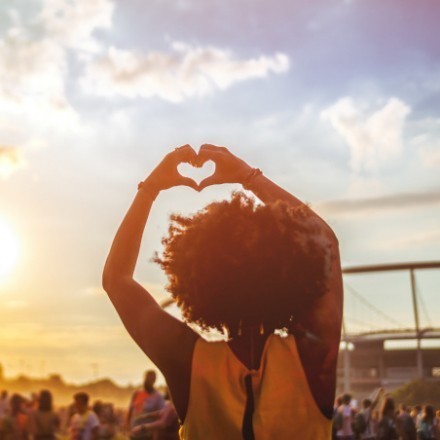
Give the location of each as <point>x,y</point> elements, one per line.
<point>212,165</point>
<point>197,173</point>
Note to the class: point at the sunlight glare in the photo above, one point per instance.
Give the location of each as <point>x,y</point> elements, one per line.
<point>9,249</point>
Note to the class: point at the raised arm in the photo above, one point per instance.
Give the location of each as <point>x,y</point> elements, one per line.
<point>165,340</point>
<point>378,394</point>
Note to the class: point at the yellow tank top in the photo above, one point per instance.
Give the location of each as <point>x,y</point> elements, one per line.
<point>284,408</point>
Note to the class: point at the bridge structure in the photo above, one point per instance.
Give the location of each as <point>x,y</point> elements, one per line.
<point>364,363</point>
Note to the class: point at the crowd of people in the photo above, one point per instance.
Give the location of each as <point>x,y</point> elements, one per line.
<point>371,421</point>
<point>150,416</point>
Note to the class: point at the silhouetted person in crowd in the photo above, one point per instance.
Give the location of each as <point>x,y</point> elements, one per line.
<point>244,269</point>
<point>344,419</point>
<point>32,403</point>
<point>15,425</point>
<point>337,420</point>
<point>387,423</point>
<point>142,403</point>
<point>107,420</point>
<point>416,414</point>
<point>406,427</point>
<point>44,421</point>
<point>427,429</point>
<point>84,424</point>
<point>4,404</point>
<point>165,424</point>
<point>368,406</point>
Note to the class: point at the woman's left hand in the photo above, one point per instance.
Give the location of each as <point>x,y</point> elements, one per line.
<point>166,175</point>
<point>228,168</point>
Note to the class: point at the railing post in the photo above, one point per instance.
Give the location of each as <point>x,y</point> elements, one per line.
<point>416,319</point>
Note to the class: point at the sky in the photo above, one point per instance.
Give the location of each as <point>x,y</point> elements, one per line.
<point>337,101</point>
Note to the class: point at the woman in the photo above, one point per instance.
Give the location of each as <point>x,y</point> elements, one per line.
<point>387,422</point>
<point>246,270</point>
<point>44,421</point>
<point>427,429</point>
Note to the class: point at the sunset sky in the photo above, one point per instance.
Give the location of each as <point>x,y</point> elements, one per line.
<point>338,101</point>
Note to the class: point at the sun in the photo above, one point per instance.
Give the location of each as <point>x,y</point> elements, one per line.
<point>9,249</point>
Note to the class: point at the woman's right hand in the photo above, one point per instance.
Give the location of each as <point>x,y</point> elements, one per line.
<point>228,168</point>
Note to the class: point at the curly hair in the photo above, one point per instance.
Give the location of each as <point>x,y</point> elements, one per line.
<point>236,262</point>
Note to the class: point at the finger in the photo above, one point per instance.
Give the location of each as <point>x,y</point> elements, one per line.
<point>211,180</point>
<point>182,147</point>
<point>186,181</point>
<point>192,159</point>
<point>208,154</point>
<point>212,147</point>
<point>185,153</point>
<point>189,156</point>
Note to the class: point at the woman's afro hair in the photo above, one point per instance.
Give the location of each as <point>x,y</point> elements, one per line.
<point>236,262</point>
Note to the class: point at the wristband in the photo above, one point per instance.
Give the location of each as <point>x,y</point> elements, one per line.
<point>150,190</point>
<point>250,178</point>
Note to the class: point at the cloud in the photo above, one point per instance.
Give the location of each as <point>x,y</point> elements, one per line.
<point>184,71</point>
<point>427,142</point>
<point>11,160</point>
<point>33,103</point>
<point>72,23</point>
<point>31,73</point>
<point>421,239</point>
<point>34,67</point>
<point>379,204</point>
<point>372,139</point>
<point>33,54</point>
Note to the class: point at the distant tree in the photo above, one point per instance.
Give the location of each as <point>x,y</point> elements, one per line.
<point>418,392</point>
<point>56,380</point>
<point>2,373</point>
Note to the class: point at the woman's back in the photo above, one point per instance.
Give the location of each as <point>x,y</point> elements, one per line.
<point>44,424</point>
<point>228,400</point>
<point>387,428</point>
